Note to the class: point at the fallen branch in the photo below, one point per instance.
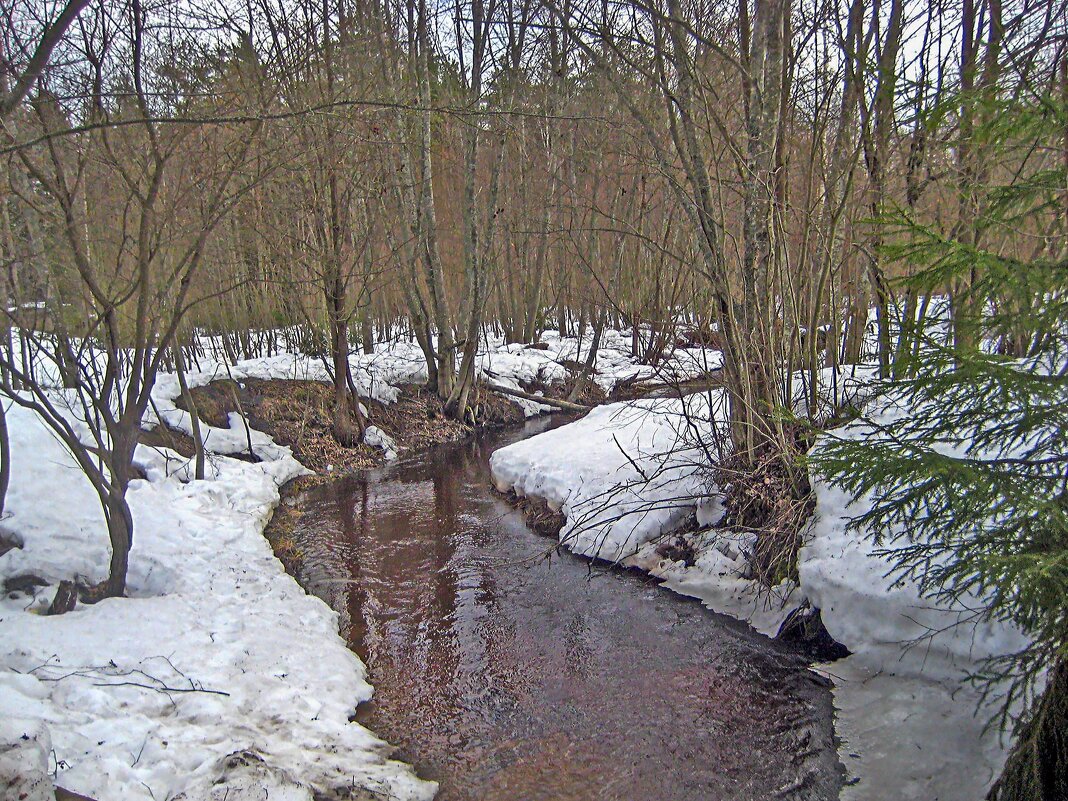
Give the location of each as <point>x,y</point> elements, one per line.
<point>665,389</point>
<point>559,404</point>
<point>100,677</point>
<point>162,689</point>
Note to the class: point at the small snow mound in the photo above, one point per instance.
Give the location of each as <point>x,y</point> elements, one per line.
<point>377,438</point>
<point>24,750</point>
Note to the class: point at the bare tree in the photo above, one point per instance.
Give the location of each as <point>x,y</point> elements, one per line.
<point>127,234</point>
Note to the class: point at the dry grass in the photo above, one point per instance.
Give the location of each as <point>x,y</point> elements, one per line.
<point>298,414</point>
<point>163,437</point>
<point>539,515</point>
<point>294,413</point>
<point>773,500</point>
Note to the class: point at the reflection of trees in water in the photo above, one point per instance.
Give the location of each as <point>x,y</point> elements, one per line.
<point>325,567</point>
<point>353,504</point>
<point>507,679</point>
<point>416,599</point>
<point>577,650</point>
<point>451,652</point>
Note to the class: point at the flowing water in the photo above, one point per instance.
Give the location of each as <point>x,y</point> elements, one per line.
<point>507,671</point>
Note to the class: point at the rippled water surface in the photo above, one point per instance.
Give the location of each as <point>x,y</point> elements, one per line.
<point>504,670</point>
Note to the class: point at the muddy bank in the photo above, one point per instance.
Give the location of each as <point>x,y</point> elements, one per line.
<point>504,669</point>
<point>297,413</point>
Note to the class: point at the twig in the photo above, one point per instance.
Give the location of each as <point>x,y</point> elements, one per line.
<point>164,689</point>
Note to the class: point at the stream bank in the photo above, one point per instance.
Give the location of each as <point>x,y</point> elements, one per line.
<point>504,669</point>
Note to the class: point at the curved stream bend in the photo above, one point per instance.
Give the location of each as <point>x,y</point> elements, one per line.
<point>506,675</point>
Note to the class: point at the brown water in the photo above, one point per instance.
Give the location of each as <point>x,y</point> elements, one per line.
<point>503,673</point>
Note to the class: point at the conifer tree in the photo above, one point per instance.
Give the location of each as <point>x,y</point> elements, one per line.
<point>965,469</point>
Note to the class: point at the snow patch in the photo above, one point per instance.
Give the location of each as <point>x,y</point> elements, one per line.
<point>627,474</point>
<point>377,438</point>
<point>215,651</point>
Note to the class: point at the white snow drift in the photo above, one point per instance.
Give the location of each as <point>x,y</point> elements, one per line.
<point>627,474</point>
<point>217,652</point>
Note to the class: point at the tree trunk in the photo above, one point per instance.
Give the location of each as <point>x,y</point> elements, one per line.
<point>124,436</point>
<point>1037,768</point>
<point>347,424</point>
<point>435,274</point>
<point>367,334</point>
<point>591,359</point>
<point>120,533</point>
<point>194,416</point>
<point>749,329</point>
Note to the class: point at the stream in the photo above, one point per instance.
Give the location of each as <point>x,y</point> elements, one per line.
<point>505,670</point>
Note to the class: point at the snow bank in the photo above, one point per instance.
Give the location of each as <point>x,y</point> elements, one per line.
<point>627,474</point>
<point>622,475</point>
<point>377,438</point>
<point>380,375</point>
<point>217,676</point>
<point>228,441</point>
<point>885,622</point>
<point>514,364</point>
<point>908,722</point>
<point>719,578</point>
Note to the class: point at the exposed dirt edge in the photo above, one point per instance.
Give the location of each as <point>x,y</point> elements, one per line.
<point>541,517</point>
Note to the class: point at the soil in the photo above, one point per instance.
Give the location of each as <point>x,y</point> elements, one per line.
<point>7,543</point>
<point>539,516</point>
<point>163,437</point>
<point>298,414</point>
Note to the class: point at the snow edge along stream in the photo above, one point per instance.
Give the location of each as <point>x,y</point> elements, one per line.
<point>908,725</point>
<point>218,676</point>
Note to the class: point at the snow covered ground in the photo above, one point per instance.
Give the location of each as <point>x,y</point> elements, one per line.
<point>218,677</point>
<point>380,374</point>
<point>595,471</point>
<point>624,476</point>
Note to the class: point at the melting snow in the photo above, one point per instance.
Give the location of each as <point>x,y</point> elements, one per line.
<point>216,650</point>
<point>626,474</point>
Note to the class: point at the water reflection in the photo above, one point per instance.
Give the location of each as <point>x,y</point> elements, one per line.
<point>506,675</point>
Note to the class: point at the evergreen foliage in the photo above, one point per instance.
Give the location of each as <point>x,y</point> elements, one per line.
<point>965,465</point>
